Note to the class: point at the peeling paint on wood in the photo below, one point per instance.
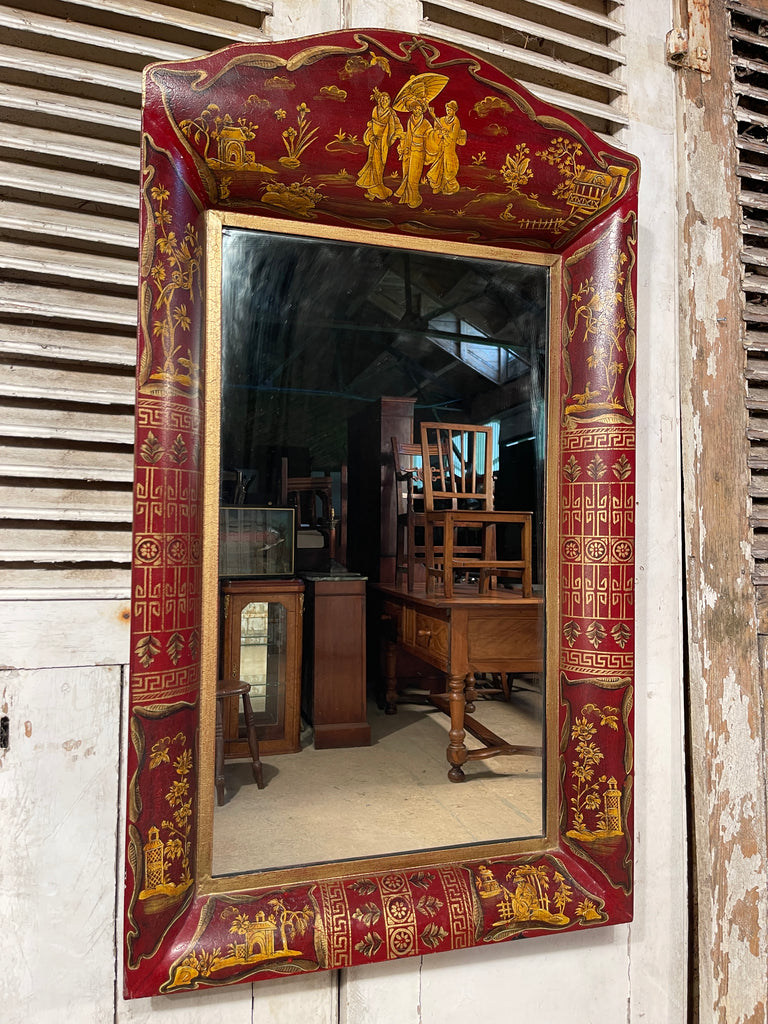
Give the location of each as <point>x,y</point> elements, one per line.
<point>726,728</point>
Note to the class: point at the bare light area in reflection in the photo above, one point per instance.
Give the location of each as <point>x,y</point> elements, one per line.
<point>391,797</point>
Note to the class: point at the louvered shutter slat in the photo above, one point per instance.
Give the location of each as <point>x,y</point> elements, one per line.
<point>90,36</point>
<point>66,464</point>
<point>60,345</point>
<point>50,222</point>
<point>73,69</point>
<point>58,504</point>
<point>40,382</point>
<point>189,19</point>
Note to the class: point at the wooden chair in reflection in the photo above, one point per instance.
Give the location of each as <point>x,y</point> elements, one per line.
<point>312,497</point>
<point>409,496</point>
<point>408,458</point>
<point>458,496</point>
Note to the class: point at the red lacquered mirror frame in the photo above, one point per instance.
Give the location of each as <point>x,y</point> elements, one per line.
<point>279,130</point>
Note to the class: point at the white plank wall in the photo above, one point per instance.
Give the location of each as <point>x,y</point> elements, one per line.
<point>69,101</point>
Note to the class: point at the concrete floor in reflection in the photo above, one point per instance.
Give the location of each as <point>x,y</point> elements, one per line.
<point>391,797</point>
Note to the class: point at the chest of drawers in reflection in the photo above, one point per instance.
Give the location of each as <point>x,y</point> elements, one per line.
<point>261,645</point>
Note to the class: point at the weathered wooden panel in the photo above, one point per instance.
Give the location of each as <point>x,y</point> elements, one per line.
<point>56,583</point>
<point>181,17</point>
<point>68,224</point>
<point>38,260</point>
<point>75,108</point>
<point>729,826</point>
<point>60,144</point>
<point>77,632</point>
<point>31,300</point>
<point>69,185</point>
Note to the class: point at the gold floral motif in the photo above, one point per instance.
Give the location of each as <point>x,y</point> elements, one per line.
<point>599,798</point>
<point>179,451</point>
<point>297,140</point>
<point>151,449</point>
<point>175,272</point>
<point>369,945</point>
<point>572,470</point>
<point>622,469</point>
<point>363,886</point>
<point>594,317</point>
<point>433,935</point>
<point>160,853</point>
<point>621,634</point>
<point>596,633</point>
<point>367,914</point>
<point>147,648</point>
<point>571,632</point>
<point>175,647</point>
<point>516,170</point>
<point>429,905</point>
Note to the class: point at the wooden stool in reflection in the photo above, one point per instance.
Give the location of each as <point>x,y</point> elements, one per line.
<point>225,690</point>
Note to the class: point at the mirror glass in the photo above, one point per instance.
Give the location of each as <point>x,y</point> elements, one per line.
<point>333,353</point>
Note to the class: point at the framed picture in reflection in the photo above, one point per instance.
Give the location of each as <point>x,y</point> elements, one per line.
<point>256,541</point>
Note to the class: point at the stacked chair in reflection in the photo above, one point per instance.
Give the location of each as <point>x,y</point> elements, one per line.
<point>446,521</point>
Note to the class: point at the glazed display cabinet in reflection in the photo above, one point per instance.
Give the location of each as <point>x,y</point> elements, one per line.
<point>261,629</point>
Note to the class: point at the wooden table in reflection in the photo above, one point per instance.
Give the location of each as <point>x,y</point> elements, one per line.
<point>462,635</point>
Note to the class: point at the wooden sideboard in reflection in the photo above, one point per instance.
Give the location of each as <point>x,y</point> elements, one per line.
<point>262,645</point>
<point>462,635</point>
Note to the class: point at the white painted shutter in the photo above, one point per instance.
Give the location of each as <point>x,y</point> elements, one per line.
<point>70,92</point>
<point>569,54</point>
<point>70,95</point>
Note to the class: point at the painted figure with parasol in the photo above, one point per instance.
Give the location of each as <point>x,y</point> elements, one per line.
<point>419,144</point>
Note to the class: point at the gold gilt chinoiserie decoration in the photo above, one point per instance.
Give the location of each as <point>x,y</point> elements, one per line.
<point>596,800</point>
<point>531,893</point>
<point>263,938</point>
<point>410,146</point>
<point>168,846</point>
<point>174,283</point>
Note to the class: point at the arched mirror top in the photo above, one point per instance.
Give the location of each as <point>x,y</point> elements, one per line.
<point>426,147</point>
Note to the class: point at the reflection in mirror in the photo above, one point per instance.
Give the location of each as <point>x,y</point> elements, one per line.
<point>359,633</point>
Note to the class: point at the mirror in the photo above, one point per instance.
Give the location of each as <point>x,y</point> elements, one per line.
<point>421,250</point>
<point>320,370</point>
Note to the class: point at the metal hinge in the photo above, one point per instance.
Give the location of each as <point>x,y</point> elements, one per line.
<point>689,46</point>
